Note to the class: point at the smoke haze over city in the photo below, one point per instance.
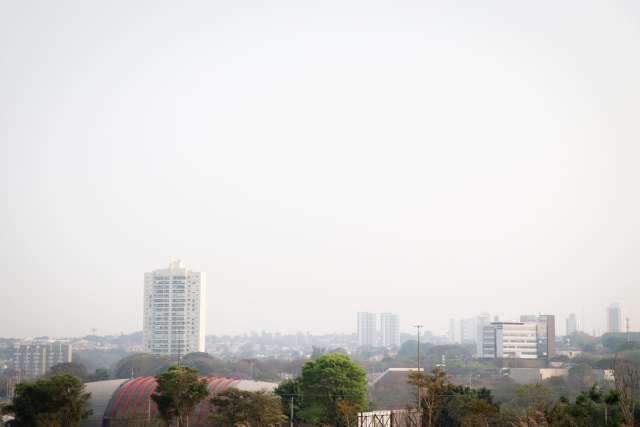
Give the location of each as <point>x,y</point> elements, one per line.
<point>422,158</point>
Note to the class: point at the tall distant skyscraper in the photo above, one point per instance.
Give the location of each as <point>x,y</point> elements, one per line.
<point>572,324</point>
<point>174,311</point>
<point>481,321</point>
<point>614,318</point>
<point>452,330</point>
<point>468,331</point>
<point>367,329</point>
<point>389,330</point>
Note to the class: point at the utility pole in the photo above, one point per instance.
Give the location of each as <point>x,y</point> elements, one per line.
<point>628,333</point>
<point>291,411</point>
<point>418,333</point>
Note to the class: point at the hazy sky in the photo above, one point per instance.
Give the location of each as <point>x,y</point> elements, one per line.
<point>315,159</point>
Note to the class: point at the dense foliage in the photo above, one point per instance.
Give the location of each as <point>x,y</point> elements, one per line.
<point>178,393</point>
<point>448,405</point>
<point>58,401</point>
<point>330,390</point>
<point>235,407</point>
<point>145,364</point>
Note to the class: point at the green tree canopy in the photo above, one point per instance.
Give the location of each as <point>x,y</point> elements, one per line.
<point>179,392</point>
<point>237,407</point>
<point>142,364</point>
<point>206,364</point>
<point>433,389</point>
<point>332,388</point>
<point>58,401</point>
<point>581,377</point>
<point>73,368</point>
<point>100,374</point>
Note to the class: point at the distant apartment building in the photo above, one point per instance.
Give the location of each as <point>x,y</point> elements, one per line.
<point>546,330</point>
<point>34,359</point>
<point>510,340</point>
<point>389,330</point>
<point>484,319</point>
<point>174,311</point>
<point>452,331</point>
<point>614,318</point>
<point>469,331</point>
<point>571,324</point>
<point>367,330</point>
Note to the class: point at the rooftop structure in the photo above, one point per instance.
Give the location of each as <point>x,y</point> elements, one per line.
<point>128,401</point>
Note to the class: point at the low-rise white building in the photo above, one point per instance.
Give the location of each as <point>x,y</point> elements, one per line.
<point>517,340</point>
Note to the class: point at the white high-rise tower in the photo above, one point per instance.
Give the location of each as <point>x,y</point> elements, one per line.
<point>367,329</point>
<point>614,318</point>
<point>389,330</point>
<point>174,310</point>
<point>571,324</point>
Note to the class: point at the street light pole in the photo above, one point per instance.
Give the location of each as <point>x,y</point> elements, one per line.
<point>291,411</point>
<point>418,332</point>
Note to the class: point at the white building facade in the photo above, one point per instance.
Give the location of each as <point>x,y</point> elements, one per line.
<point>546,324</point>
<point>484,319</point>
<point>174,311</point>
<point>367,329</point>
<point>510,340</point>
<point>572,324</point>
<point>389,330</point>
<point>34,359</point>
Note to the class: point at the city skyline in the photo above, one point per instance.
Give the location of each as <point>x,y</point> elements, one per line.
<point>457,325</point>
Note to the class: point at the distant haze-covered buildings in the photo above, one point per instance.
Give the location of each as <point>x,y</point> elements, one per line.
<point>367,329</point>
<point>389,333</point>
<point>34,359</point>
<point>614,318</point>
<point>571,324</point>
<point>389,330</point>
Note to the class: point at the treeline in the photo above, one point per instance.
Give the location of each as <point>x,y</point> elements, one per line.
<point>145,364</point>
<point>331,390</point>
<point>448,405</point>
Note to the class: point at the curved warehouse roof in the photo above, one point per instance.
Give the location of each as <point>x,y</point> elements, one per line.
<point>116,401</point>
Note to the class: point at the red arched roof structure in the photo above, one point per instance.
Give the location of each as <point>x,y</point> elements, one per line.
<point>132,400</point>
